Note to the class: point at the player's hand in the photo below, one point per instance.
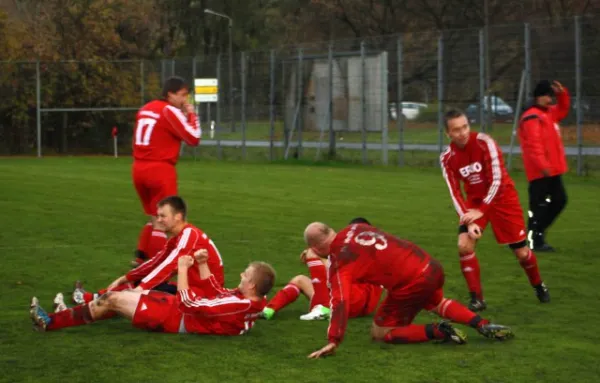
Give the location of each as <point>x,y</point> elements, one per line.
<point>117,282</point>
<point>308,254</point>
<point>185,262</point>
<point>188,108</point>
<point>546,172</point>
<point>474,231</point>
<point>472,215</point>
<point>327,350</point>
<point>557,87</point>
<point>201,256</point>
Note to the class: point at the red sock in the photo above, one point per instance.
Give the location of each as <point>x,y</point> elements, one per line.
<point>457,313</point>
<point>76,316</point>
<point>156,243</point>
<point>318,277</point>
<point>414,333</point>
<point>530,266</point>
<point>88,297</point>
<point>284,297</point>
<point>144,238</point>
<point>469,265</point>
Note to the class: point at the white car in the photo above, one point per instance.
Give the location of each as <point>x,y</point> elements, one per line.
<point>410,110</point>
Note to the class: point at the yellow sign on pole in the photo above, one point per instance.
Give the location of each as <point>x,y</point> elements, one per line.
<point>206,90</point>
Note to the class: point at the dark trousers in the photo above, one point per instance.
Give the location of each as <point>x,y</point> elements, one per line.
<point>541,212</point>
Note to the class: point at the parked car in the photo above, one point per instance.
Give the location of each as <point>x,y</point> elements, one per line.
<point>501,111</point>
<point>410,109</point>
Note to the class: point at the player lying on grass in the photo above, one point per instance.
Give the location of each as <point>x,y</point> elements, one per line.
<point>201,308</point>
<point>413,279</point>
<point>476,160</point>
<point>184,239</point>
<point>363,298</point>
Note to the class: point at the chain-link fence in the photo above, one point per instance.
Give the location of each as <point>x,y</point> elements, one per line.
<point>372,100</point>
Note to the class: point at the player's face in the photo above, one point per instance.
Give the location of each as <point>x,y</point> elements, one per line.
<point>246,279</point>
<point>544,100</point>
<point>167,218</point>
<point>322,249</point>
<point>458,130</point>
<point>179,98</point>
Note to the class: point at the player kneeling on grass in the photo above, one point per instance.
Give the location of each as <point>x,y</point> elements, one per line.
<point>413,279</point>
<point>205,308</point>
<point>364,297</point>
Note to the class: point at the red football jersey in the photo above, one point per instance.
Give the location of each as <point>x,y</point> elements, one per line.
<point>363,254</point>
<point>480,166</point>
<point>159,129</point>
<point>163,265</point>
<point>210,309</point>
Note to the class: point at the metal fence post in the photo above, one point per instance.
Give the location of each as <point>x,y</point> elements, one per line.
<point>578,94</point>
<point>220,93</point>
<point>300,100</point>
<point>440,91</point>
<point>384,109</point>
<point>527,60</point>
<point>331,154</point>
<point>516,118</point>
<point>243,101</point>
<point>363,98</point>
<point>142,86</point>
<point>481,107</point>
<point>399,100</point>
<point>38,113</point>
<point>272,105</point>
<point>196,107</point>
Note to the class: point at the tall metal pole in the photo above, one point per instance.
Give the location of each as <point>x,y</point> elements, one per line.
<point>38,112</point>
<point>300,100</point>
<point>330,102</point>
<point>385,105</point>
<point>488,70</point>
<point>217,133</point>
<point>527,60</point>
<point>363,100</point>
<point>516,119</point>
<point>482,80</point>
<point>440,92</point>
<point>578,95</point>
<point>142,86</point>
<point>243,69</point>
<point>272,105</point>
<point>231,107</point>
<point>399,100</point>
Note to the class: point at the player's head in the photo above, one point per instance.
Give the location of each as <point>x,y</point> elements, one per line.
<point>318,236</point>
<point>258,279</point>
<point>457,127</point>
<point>543,93</point>
<point>175,91</point>
<point>360,220</point>
<point>172,213</point>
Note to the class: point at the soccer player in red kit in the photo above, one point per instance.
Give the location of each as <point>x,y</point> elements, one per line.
<point>201,308</point>
<point>414,281</point>
<point>184,239</point>
<point>160,127</point>
<point>476,160</point>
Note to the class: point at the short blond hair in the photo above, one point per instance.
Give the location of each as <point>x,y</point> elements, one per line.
<point>263,277</point>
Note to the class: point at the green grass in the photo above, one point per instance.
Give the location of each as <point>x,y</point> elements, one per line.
<point>70,218</point>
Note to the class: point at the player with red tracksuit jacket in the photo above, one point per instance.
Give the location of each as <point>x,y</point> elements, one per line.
<point>544,159</point>
<point>161,125</point>
<point>476,160</point>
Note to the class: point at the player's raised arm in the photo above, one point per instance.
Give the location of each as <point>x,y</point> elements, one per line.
<point>563,102</point>
<point>453,184</point>
<point>188,129</point>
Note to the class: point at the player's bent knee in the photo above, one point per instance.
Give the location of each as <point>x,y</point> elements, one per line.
<point>300,280</point>
<point>466,245</point>
<point>520,249</point>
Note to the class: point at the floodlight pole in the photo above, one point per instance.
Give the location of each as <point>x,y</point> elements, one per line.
<point>231,111</point>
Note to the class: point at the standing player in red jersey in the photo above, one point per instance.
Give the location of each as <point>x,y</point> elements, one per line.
<point>160,127</point>
<point>184,239</point>
<point>476,160</point>
<point>414,281</point>
<point>364,297</point>
<point>200,308</point>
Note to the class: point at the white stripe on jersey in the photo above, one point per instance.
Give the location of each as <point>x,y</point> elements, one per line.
<point>195,132</point>
<point>180,245</point>
<point>457,206</point>
<point>496,171</point>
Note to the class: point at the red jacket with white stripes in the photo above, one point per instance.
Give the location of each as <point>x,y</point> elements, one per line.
<point>480,167</point>
<point>541,143</point>
<point>163,265</point>
<point>159,129</point>
<point>363,254</point>
<point>210,309</point>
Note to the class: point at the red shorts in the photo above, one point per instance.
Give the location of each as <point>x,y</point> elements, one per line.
<point>401,305</point>
<point>157,311</point>
<point>506,218</point>
<point>153,181</point>
<point>364,299</point>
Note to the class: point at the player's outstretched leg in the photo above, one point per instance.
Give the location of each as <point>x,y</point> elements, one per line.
<point>284,297</point>
<point>414,333</point>
<point>80,296</point>
<point>528,262</point>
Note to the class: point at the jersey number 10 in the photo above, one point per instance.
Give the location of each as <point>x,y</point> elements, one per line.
<point>143,131</point>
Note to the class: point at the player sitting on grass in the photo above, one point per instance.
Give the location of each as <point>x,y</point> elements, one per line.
<point>184,239</point>
<point>363,299</point>
<point>204,308</point>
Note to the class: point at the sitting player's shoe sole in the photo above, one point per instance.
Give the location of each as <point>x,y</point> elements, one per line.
<point>451,334</point>
<point>495,331</point>
<point>38,316</point>
<point>319,312</point>
<point>59,303</point>
<point>78,293</point>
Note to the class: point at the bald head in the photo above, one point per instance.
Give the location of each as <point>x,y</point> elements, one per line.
<point>318,236</point>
